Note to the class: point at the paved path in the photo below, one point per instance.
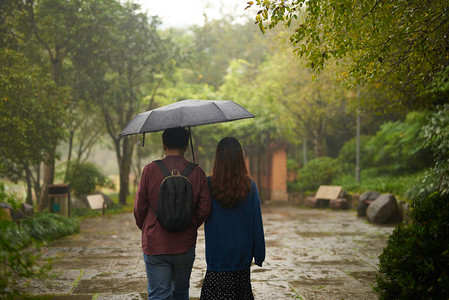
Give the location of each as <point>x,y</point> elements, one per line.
<point>311,254</point>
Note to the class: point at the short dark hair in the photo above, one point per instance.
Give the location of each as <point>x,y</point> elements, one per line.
<point>175,138</point>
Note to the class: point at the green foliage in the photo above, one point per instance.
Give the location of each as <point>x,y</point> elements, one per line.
<point>394,145</point>
<point>381,181</point>
<point>84,178</point>
<point>436,133</point>
<point>415,262</point>
<point>347,153</point>
<point>20,243</point>
<point>7,197</point>
<point>319,171</point>
<point>48,227</point>
<point>15,261</point>
<point>401,42</point>
<point>32,112</point>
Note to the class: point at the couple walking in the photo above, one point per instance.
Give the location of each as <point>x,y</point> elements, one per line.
<point>227,202</point>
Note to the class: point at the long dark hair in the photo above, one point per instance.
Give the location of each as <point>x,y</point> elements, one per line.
<point>230,179</point>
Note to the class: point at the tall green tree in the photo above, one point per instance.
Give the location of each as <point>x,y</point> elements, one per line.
<point>219,42</point>
<point>401,43</point>
<point>52,28</point>
<point>308,109</point>
<point>128,57</point>
<point>32,107</point>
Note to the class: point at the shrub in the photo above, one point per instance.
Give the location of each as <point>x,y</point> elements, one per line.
<point>84,178</point>
<point>319,171</point>
<point>373,180</point>
<point>7,197</point>
<point>16,261</point>
<point>18,258</point>
<point>394,147</point>
<point>347,153</point>
<point>48,227</point>
<point>415,263</point>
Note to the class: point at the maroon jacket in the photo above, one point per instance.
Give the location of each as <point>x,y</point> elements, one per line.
<point>155,239</point>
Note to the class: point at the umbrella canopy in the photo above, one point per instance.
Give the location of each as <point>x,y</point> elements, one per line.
<point>186,113</point>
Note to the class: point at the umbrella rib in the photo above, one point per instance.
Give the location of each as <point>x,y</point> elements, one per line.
<point>227,119</point>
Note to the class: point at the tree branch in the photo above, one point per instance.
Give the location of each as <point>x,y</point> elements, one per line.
<point>372,9</point>
<point>30,10</point>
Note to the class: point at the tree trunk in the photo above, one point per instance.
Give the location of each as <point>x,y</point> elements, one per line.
<point>29,199</point>
<point>69,154</point>
<point>49,173</point>
<point>37,180</point>
<point>125,168</point>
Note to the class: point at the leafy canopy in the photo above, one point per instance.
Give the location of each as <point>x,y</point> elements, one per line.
<point>401,42</point>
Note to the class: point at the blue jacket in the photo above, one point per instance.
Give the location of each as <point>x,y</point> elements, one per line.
<point>235,235</point>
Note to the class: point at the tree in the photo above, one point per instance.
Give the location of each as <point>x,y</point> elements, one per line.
<point>401,43</point>
<point>309,107</point>
<point>219,42</point>
<point>53,28</point>
<point>132,56</point>
<point>32,109</point>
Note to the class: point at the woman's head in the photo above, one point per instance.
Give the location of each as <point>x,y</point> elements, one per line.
<point>230,179</point>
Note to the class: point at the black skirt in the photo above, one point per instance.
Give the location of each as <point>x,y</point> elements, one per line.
<point>231,285</point>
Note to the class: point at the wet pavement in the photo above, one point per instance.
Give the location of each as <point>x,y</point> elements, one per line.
<point>311,254</point>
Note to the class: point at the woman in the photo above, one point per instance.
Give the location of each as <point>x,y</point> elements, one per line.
<point>234,229</point>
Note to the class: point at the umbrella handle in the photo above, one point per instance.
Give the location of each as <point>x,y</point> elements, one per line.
<point>191,145</point>
<point>143,139</point>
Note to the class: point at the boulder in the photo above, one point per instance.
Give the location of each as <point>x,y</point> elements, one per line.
<point>383,209</point>
<point>5,211</point>
<point>404,210</point>
<point>311,201</point>
<point>365,200</point>
<point>27,209</point>
<point>15,215</point>
<point>339,203</point>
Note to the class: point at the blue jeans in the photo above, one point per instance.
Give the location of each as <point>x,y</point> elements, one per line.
<point>169,275</point>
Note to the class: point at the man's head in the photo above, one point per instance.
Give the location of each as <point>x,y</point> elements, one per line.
<point>175,139</point>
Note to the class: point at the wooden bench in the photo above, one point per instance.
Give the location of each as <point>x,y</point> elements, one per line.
<point>329,196</point>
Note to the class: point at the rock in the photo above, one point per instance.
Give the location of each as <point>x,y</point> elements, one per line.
<point>383,209</point>
<point>365,200</point>
<point>311,201</point>
<point>27,209</point>
<point>404,210</point>
<point>339,203</point>
<point>15,214</point>
<point>5,211</point>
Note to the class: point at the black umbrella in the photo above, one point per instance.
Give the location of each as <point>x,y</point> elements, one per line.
<point>186,113</point>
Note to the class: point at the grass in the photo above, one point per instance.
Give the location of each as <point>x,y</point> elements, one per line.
<point>372,181</point>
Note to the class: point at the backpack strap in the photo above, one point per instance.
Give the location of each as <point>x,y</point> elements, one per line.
<point>187,170</point>
<point>162,167</point>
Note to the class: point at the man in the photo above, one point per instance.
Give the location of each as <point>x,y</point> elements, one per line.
<point>169,256</point>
